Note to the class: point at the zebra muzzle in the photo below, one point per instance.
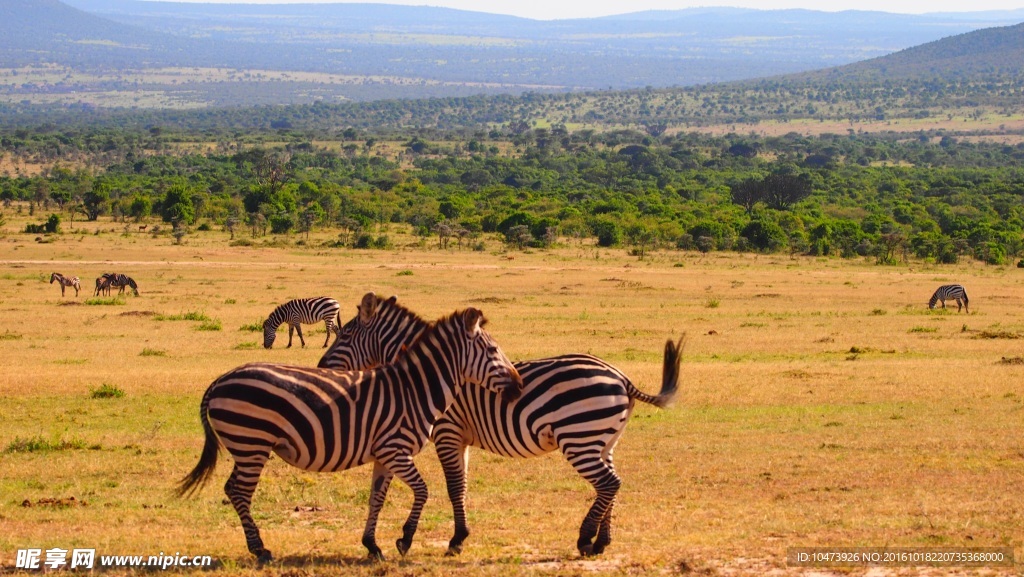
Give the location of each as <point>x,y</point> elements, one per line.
<point>514,388</point>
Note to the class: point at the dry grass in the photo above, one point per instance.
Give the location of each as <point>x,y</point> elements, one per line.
<point>812,412</point>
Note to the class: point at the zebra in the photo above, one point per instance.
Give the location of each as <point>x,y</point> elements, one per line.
<point>329,420</point>
<point>948,292</point>
<point>575,403</point>
<point>103,284</point>
<point>122,281</point>
<point>66,281</point>
<point>298,311</point>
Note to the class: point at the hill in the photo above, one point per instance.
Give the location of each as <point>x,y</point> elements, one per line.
<point>983,53</point>
<point>131,53</point>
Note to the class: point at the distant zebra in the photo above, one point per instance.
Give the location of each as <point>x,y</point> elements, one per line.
<point>328,420</point>
<point>948,292</point>
<point>103,284</point>
<point>121,281</point>
<point>578,404</point>
<point>66,281</point>
<point>299,311</point>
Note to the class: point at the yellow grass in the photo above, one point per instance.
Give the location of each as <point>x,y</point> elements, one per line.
<point>822,404</point>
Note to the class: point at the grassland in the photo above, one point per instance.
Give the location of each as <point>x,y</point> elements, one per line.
<point>822,404</point>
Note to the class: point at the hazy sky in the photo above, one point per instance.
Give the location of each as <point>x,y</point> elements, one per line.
<point>557,9</point>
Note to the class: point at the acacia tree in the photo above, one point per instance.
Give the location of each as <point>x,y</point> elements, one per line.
<point>95,201</point>
<point>747,193</point>
<point>783,189</point>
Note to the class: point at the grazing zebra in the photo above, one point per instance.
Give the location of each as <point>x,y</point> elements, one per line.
<point>299,311</point>
<point>122,281</point>
<point>66,281</point>
<point>577,403</point>
<point>948,292</point>
<point>329,420</point>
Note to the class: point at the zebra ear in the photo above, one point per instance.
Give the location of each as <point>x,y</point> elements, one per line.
<point>368,308</point>
<point>473,318</point>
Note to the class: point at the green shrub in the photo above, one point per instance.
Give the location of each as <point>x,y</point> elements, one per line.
<point>209,325</point>
<point>106,391</point>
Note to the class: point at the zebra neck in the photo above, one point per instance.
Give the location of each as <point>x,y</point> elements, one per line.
<point>404,338</point>
<point>429,379</point>
<point>275,319</point>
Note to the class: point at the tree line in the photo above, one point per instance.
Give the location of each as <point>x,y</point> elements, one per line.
<point>889,197</point>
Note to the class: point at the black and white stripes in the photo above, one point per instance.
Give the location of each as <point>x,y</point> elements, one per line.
<point>949,292</point>
<point>578,404</point>
<point>66,281</point>
<point>299,311</point>
<point>109,280</point>
<point>327,420</point>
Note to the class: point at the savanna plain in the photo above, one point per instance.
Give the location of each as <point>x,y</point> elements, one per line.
<point>821,404</point>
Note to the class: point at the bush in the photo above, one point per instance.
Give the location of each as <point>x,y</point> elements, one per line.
<point>764,235</point>
<point>608,232</point>
<point>51,226</point>
<point>106,391</point>
<point>281,223</point>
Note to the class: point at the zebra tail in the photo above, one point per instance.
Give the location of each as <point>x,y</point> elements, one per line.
<point>208,460</point>
<point>669,377</point>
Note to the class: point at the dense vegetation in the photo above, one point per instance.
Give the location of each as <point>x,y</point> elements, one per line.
<point>889,196</point>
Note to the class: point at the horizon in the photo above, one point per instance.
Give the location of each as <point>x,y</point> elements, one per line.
<point>540,10</point>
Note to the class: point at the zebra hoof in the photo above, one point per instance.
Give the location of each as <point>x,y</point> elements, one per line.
<point>453,551</point>
<point>264,556</point>
<point>402,546</point>
<point>376,556</point>
<point>586,550</point>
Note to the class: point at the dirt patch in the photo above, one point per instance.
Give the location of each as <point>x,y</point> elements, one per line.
<point>69,304</point>
<point>137,314</point>
<point>491,300</point>
<point>997,335</point>
<point>56,502</point>
<point>1011,361</point>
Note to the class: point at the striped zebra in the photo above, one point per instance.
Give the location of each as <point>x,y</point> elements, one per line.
<point>103,285</point>
<point>949,292</point>
<point>118,280</point>
<point>328,420</point>
<point>66,281</point>
<point>299,311</point>
<point>577,404</point>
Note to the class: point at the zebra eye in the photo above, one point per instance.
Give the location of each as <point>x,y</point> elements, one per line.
<point>492,350</point>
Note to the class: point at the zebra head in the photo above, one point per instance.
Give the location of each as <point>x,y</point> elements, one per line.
<point>53,277</point>
<point>485,363</point>
<point>269,333</point>
<point>376,336</point>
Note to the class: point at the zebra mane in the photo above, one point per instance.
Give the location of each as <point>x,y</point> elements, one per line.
<point>431,327</point>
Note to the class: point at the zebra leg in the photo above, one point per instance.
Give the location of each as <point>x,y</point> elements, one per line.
<point>298,329</point>
<point>239,489</point>
<point>602,476</point>
<point>959,305</point>
<point>327,326</point>
<point>290,329</point>
<point>454,456</point>
<point>604,533</point>
<point>401,465</point>
<point>378,492</point>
